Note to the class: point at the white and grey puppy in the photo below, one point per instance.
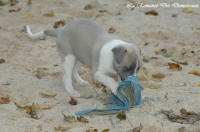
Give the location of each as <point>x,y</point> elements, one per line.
<point>86,41</point>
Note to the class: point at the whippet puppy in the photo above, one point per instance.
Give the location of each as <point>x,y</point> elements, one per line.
<point>86,41</point>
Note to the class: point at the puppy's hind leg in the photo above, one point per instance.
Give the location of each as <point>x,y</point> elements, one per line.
<point>77,77</point>
<point>68,65</point>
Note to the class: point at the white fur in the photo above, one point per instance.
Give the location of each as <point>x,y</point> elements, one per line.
<point>68,66</point>
<point>106,65</point>
<point>36,35</point>
<point>76,76</point>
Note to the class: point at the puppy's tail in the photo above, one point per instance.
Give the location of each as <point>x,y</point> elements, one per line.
<point>41,34</point>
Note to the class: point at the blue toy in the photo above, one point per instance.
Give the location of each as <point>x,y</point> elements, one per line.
<point>128,95</point>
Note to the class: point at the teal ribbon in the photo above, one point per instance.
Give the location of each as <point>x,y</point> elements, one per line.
<point>128,95</point>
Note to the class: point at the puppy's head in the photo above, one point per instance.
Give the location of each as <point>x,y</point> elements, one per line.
<point>127,60</point>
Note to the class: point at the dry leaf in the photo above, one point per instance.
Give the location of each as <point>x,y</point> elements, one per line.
<point>138,4</point>
<point>195,72</point>
<point>74,119</point>
<point>138,129</point>
<point>148,73</point>
<point>180,62</point>
<point>29,15</point>
<point>14,10</point>
<point>82,119</point>
<point>45,107</point>
<point>158,75</point>
<point>105,130</point>
<point>111,30</point>
<point>12,2</point>
<point>188,10</point>
<point>58,24</point>
<point>32,111</point>
<point>88,7</point>
<point>174,66</point>
<point>152,12</point>
<point>69,118</point>
<point>121,115</point>
<point>155,86</point>
<point>39,73</point>
<point>60,128</point>
<point>2,60</point>
<point>72,101</point>
<point>47,95</point>
<point>185,117</point>
<point>198,85</point>
<point>50,14</point>
<point>19,106</point>
<point>44,68</point>
<point>156,51</point>
<point>5,100</point>
<point>92,130</point>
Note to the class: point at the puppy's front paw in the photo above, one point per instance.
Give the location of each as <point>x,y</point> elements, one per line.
<point>114,89</point>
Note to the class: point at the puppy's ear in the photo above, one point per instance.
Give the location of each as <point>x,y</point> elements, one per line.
<point>119,53</point>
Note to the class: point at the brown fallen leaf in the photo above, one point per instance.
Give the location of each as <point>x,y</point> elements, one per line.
<point>88,7</point>
<point>40,73</point>
<point>195,72</point>
<point>12,2</point>
<point>198,85</point>
<point>82,119</point>
<point>152,12</point>
<point>47,95</point>
<point>58,24</point>
<point>14,10</point>
<point>5,100</point>
<point>180,62</point>
<point>155,85</point>
<point>137,4</point>
<point>72,101</point>
<point>29,15</point>
<point>2,60</point>
<point>121,115</point>
<point>148,73</point>
<point>158,75</point>
<point>174,66</point>
<point>185,117</point>
<point>105,130</point>
<point>50,14</point>
<point>45,107</point>
<point>102,11</point>
<point>92,130</point>
<point>32,110</point>
<point>111,30</point>
<point>19,106</point>
<point>185,112</point>
<point>69,118</point>
<point>138,129</point>
<point>61,128</point>
<point>188,10</point>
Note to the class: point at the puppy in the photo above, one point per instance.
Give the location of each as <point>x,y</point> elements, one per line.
<point>85,41</point>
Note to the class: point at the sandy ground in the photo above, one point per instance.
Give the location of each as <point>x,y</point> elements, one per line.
<point>172,29</point>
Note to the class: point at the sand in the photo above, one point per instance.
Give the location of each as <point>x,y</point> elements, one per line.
<point>172,29</point>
